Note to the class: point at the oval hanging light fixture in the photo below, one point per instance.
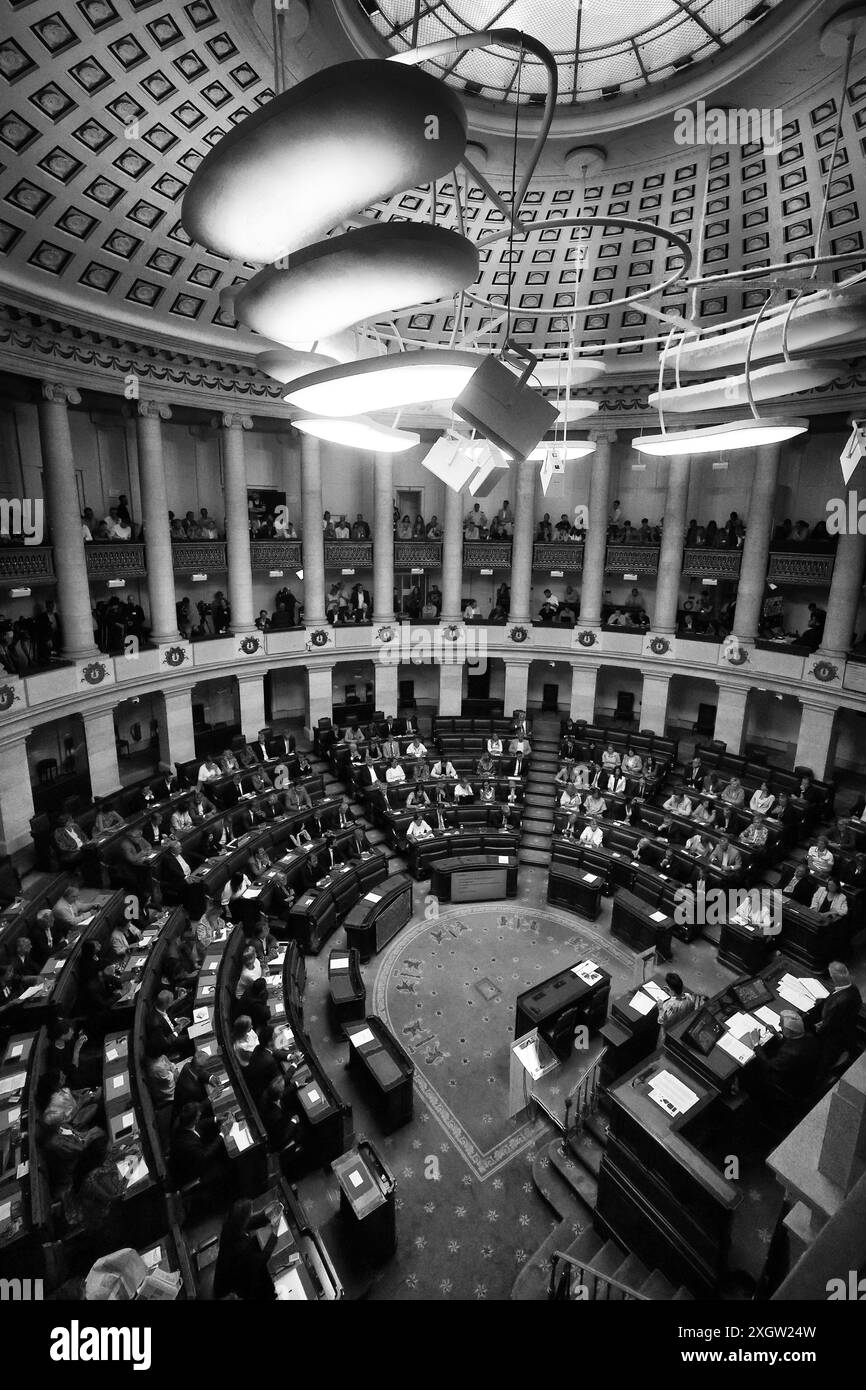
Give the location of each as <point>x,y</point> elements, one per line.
<point>359,433</point>
<point>365,274</point>
<point>341,140</point>
<point>385,383</point>
<point>768,383</point>
<point>709,439</point>
<point>824,320</point>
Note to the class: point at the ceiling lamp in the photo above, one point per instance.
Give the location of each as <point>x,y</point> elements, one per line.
<point>284,364</point>
<point>340,140</point>
<point>575,409</point>
<point>572,371</point>
<point>364,274</point>
<point>735,434</point>
<point>360,433</point>
<point>824,320</point>
<point>385,383</point>
<point>573,449</point>
<point>768,383</point>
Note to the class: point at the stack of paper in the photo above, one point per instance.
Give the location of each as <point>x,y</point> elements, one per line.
<point>671,1094</point>
<point>736,1049</point>
<point>769,1017</point>
<point>364,1036</point>
<point>642,1003</point>
<point>794,992</point>
<point>587,971</point>
<point>741,1024</point>
<point>655,991</point>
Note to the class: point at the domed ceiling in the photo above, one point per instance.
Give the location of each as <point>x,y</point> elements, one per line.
<point>602,49</point>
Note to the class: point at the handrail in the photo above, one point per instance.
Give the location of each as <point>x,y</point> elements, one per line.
<point>587,1084</point>
<point>587,1267</point>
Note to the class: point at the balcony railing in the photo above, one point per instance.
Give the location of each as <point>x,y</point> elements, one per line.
<point>115,560</point>
<point>701,562</point>
<point>426,555</point>
<point>199,557</point>
<point>26,564</point>
<point>486,555</point>
<point>562,555</point>
<point>349,555</point>
<point>631,559</point>
<point>788,567</point>
<point>276,555</point>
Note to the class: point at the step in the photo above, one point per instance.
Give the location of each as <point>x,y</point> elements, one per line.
<point>534,857</point>
<point>682,1295</point>
<point>581,1180</point>
<point>587,1245</point>
<point>609,1259</point>
<point>533,1281</point>
<point>587,1150</point>
<point>658,1288</point>
<point>632,1272</point>
<point>531,841</point>
<point>556,1191</point>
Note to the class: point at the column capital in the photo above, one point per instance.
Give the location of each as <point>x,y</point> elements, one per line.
<point>153,410</point>
<point>61,393</point>
<point>233,420</point>
<point>603,435</point>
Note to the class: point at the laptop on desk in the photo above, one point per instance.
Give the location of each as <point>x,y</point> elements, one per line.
<point>703,1033</point>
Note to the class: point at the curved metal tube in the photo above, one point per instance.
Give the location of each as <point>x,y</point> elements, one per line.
<point>506,38</point>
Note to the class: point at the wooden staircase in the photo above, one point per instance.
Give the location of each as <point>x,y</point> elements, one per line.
<point>334,787</point>
<point>594,1270</point>
<point>540,793</point>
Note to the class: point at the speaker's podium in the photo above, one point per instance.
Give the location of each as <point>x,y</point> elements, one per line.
<point>531,1060</point>
<point>367,1203</point>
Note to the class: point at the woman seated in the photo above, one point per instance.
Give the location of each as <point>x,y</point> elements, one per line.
<point>244,1039</point>
<point>762,800</point>
<point>234,890</point>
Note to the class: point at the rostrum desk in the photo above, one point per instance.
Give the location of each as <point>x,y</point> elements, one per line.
<point>559,1005</point>
<point>575,887</point>
<point>379,915</point>
<point>376,1055</point>
<point>473,878</point>
<point>632,922</point>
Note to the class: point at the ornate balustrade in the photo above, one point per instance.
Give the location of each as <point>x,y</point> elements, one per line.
<point>486,555</point>
<point>115,560</point>
<point>349,555</point>
<point>631,559</point>
<point>26,564</point>
<point>410,555</point>
<point>547,555</point>
<point>788,568</point>
<point>199,557</point>
<point>276,555</point>
<point>700,562</point>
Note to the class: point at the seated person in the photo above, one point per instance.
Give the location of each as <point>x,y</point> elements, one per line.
<point>181,818</point>
<point>734,793</point>
<point>106,820</point>
<point>697,846</point>
<point>565,775</point>
<point>160,1073</point>
<point>24,970</point>
<point>790,1063</point>
<point>610,759</point>
<point>704,813</point>
<point>591,834</point>
<point>487,792</point>
<point>632,764</point>
<point>200,808</point>
<point>494,747</point>
<point>798,885</point>
<point>711,784</point>
<point>762,800</point>
<point>726,855</point>
<point>193,1157</point>
<point>244,1040</point>
<point>595,805</point>
<point>394,773</point>
<point>681,1003</point>
<point>418,829</point>
<point>168,1030</point>
<point>463,790</point>
<point>209,771</point>
<point>819,859</point>
<point>694,773</point>
<point>443,767</point>
<point>418,796</point>
<point>296,798</point>
<point>415,748</point>
<point>667,830</point>
<point>485,767</point>
<point>756,832</point>
<point>830,899</point>
<point>570,799</point>
<point>678,804</point>
<point>69,840</point>
<point>68,912</point>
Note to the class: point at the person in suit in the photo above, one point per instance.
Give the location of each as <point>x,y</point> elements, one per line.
<point>166,785</point>
<point>42,936</point>
<point>193,1159</point>
<point>24,966</point>
<point>175,869</point>
<point>790,1064</point>
<point>836,1028</point>
<point>359,843</point>
<point>169,1032</point>
<point>694,774</point>
<point>155,829</point>
<point>726,855</point>
<point>69,841</point>
<point>296,798</point>
<point>242,1262</point>
<point>808,792</point>
<point>798,886</point>
<point>191,1085</point>
<point>246,819</point>
<point>856,874</point>
<point>668,830</point>
<point>263,1064</point>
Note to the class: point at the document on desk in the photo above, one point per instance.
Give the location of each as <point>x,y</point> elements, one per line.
<point>741,1024</point>
<point>671,1094</point>
<point>768,1016</point>
<point>240,1136</point>
<point>15,1052</point>
<point>642,1003</point>
<point>655,991</point>
<point>587,971</point>
<point>33,990</point>
<point>365,1035</point>
<point>589,878</point>
<point>736,1049</point>
<point>198,1030</point>
<point>200,1015</point>
<point>289,1287</point>
<point>790,989</point>
<point>658,916</point>
<point>13,1082</point>
<point>814,987</point>
<point>503,858</point>
<point>339,962</point>
<point>372,897</point>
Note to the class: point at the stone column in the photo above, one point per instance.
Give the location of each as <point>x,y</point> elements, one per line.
<point>756,549</point>
<point>313,540</point>
<point>101,744</point>
<point>584,677</point>
<point>596,536</point>
<point>516,685</point>
<point>320,700</point>
<point>815,738</point>
<point>731,715</point>
<point>16,795</point>
<point>671,553</point>
<point>451,688</point>
<point>521,548</point>
<point>251,698</point>
<point>174,718</point>
<point>154,513</point>
<point>240,581</point>
<point>383,540</point>
<point>386,685</point>
<point>452,557</point>
<point>63,511</point>
<point>654,700</point>
<point>844,597</point>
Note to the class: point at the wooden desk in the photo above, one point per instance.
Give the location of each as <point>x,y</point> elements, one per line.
<point>575,888</point>
<point>379,915</point>
<point>474,878</point>
<point>376,1055</point>
<point>559,1005</point>
<point>657,1193</point>
<point>639,925</point>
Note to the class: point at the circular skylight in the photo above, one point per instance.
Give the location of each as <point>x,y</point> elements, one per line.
<point>603,48</point>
